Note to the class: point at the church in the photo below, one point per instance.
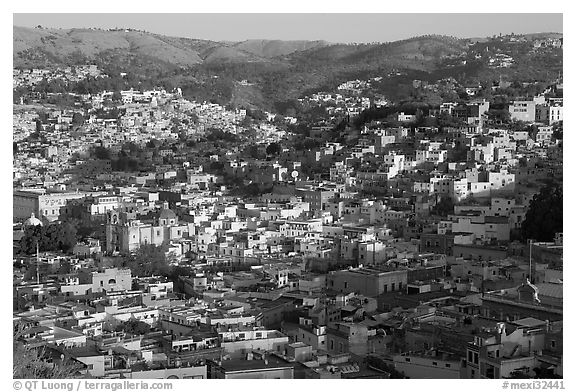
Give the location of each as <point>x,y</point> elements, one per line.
<point>125,233</point>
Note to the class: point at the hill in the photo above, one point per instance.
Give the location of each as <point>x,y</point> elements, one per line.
<point>45,47</point>
<point>275,48</point>
<point>278,71</point>
<point>415,53</point>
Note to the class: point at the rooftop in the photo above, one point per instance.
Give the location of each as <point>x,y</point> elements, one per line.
<point>243,365</point>
<point>529,322</point>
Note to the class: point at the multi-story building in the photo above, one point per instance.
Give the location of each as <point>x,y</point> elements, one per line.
<point>126,235</point>
<point>111,279</point>
<point>41,203</point>
<point>523,111</point>
<point>270,367</point>
<point>367,281</point>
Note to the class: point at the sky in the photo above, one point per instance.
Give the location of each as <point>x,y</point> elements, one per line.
<point>333,27</point>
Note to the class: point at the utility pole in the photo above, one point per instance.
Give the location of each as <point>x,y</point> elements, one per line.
<point>37,263</point>
<point>530,260</point>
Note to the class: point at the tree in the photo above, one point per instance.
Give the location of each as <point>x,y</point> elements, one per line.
<point>77,119</point>
<point>66,237</point>
<point>444,207</point>
<point>498,115</point>
<point>32,236</point>
<point>53,237</point>
<point>216,167</point>
<point>101,152</point>
<point>544,217</point>
<point>148,260</point>
<point>307,144</point>
<point>134,327</point>
<point>65,267</point>
<point>34,362</point>
<point>252,151</point>
<point>116,96</point>
<point>273,149</point>
<point>151,144</point>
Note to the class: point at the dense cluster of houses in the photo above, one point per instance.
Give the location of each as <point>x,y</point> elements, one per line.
<point>31,77</point>
<point>315,277</point>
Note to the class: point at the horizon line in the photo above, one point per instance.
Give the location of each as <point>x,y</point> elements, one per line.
<point>282,40</point>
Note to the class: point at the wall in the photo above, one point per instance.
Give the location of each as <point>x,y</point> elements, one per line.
<point>368,284</point>
<point>239,348</point>
<point>426,368</point>
<point>177,373</point>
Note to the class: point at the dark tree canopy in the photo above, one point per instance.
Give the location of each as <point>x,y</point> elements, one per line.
<point>77,119</point>
<point>53,237</point>
<point>134,327</point>
<point>148,260</point>
<point>100,152</point>
<point>444,207</point>
<point>273,149</point>
<point>544,216</point>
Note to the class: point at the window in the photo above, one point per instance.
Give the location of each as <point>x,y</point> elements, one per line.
<point>447,365</point>
<point>407,359</point>
<point>393,286</point>
<point>435,363</point>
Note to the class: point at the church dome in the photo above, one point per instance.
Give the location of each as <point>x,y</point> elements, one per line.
<point>166,214</point>
<point>33,221</point>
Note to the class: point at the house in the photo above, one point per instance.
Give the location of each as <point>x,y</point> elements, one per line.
<point>367,281</point>
<point>269,367</point>
<point>508,350</point>
<point>429,364</point>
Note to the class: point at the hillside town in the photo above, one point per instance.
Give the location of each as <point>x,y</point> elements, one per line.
<point>159,237</point>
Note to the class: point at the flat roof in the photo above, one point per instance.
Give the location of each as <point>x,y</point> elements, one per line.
<point>242,365</point>
<point>529,322</point>
<point>86,351</point>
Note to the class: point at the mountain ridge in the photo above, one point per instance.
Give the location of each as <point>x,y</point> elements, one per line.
<point>276,70</point>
